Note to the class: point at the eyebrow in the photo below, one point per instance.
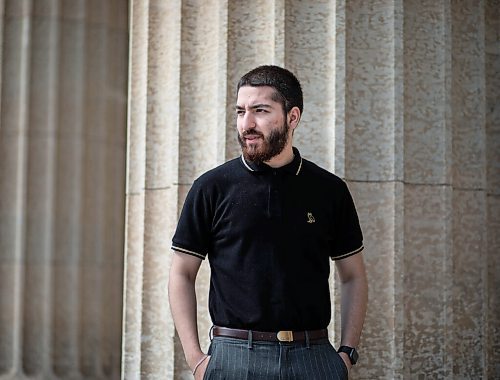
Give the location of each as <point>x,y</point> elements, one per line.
<point>260,105</point>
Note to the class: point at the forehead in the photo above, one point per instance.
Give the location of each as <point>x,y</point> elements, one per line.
<point>248,95</point>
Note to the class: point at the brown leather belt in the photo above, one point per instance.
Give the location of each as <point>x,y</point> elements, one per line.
<point>280,336</point>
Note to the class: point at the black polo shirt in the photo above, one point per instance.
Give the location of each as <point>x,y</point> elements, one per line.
<point>268,234</point>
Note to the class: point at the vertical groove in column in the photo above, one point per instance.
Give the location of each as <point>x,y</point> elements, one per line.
<point>114,187</point>
<point>93,137</point>
<point>116,133</point>
<point>135,172</point>
<point>310,54</point>
<point>162,156</point>
<point>492,73</point>
<point>69,190</point>
<point>448,139</point>
<point>40,189</point>
<point>13,147</point>
<point>469,195</point>
<point>398,96</point>
<point>2,24</point>
<point>249,45</point>
<point>468,96</point>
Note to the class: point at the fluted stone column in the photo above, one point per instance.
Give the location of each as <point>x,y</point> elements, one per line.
<point>41,188</point>
<point>427,189</point>
<point>202,125</point>
<point>134,236</point>
<point>62,165</point>
<point>154,113</point>
<point>469,305</point>
<point>401,100</point>
<point>373,166</point>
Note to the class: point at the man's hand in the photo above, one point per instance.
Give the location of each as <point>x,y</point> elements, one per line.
<point>346,360</point>
<point>200,371</point>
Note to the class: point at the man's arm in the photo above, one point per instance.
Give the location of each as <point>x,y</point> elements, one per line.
<point>354,299</point>
<point>182,297</point>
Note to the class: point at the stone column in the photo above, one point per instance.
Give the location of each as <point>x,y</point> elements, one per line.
<point>468,211</point>
<point>151,198</point>
<point>427,268</point>
<point>373,166</point>
<point>41,188</point>
<point>205,108</point>
<point>492,130</point>
<point>134,228</point>
<point>63,87</point>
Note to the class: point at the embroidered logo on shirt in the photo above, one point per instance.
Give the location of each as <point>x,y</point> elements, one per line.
<point>310,218</point>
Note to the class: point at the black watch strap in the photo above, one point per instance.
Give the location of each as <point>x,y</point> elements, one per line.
<point>351,352</point>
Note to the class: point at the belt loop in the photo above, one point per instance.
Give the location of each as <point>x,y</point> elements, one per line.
<point>307,339</point>
<point>250,340</point>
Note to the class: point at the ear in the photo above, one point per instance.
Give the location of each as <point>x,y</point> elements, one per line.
<point>294,117</point>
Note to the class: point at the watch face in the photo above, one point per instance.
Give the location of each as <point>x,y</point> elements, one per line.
<point>354,356</point>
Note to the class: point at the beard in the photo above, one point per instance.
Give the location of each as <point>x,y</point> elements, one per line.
<point>270,146</point>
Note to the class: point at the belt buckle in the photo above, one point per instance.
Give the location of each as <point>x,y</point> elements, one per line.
<point>285,336</point>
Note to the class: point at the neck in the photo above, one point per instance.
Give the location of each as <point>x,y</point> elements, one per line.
<point>282,159</point>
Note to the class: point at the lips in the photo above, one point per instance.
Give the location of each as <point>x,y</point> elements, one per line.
<point>252,136</point>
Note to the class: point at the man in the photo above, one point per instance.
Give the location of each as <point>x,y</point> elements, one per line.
<point>269,221</point>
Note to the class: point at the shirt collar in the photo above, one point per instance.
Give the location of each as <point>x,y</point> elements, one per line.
<point>293,167</point>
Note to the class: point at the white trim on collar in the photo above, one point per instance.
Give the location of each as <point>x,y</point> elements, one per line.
<point>245,163</point>
<point>252,170</point>
<point>300,167</point>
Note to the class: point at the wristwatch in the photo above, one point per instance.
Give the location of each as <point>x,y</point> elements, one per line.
<point>351,352</point>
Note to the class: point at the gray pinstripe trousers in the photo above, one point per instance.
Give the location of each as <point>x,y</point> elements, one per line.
<point>236,359</point>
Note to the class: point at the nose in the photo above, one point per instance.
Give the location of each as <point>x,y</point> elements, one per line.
<point>247,121</point>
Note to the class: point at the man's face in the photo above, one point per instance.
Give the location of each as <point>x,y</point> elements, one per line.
<point>263,131</point>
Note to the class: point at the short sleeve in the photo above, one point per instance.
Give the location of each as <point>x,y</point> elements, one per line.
<point>192,235</point>
<point>348,238</point>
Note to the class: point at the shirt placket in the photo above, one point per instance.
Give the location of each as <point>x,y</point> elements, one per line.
<point>274,199</point>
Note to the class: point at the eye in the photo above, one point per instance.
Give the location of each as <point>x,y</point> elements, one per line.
<point>259,110</point>
<point>240,112</point>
